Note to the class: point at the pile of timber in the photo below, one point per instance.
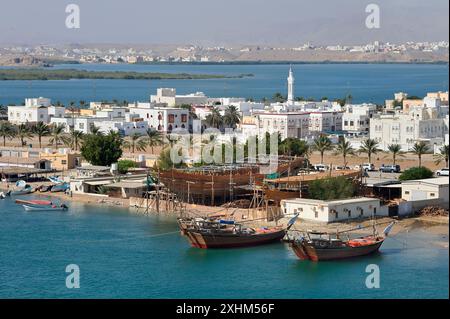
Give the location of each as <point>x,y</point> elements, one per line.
<point>433,211</point>
<point>241,203</point>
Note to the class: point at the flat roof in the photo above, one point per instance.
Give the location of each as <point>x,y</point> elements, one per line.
<point>136,184</point>
<point>334,201</point>
<point>441,181</point>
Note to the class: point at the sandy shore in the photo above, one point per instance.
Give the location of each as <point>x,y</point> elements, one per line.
<point>438,225</point>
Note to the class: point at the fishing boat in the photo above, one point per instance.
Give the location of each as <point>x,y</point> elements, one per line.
<point>205,233</point>
<point>2,195</point>
<point>55,179</point>
<point>46,208</point>
<point>319,246</point>
<point>34,202</point>
<point>60,188</point>
<point>23,191</point>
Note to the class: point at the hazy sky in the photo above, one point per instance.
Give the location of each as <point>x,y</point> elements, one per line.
<point>219,22</point>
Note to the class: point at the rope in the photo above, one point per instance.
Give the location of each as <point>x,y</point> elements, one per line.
<point>129,238</point>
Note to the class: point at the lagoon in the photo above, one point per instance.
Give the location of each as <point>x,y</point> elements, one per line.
<point>122,254</point>
<point>365,82</point>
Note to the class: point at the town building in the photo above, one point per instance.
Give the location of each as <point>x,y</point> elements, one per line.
<point>35,110</point>
<point>436,189</point>
<point>356,118</point>
<point>169,97</point>
<point>162,119</point>
<point>333,210</point>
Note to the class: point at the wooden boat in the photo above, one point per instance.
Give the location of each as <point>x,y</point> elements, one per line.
<point>45,208</point>
<point>319,246</point>
<point>34,202</point>
<point>203,233</point>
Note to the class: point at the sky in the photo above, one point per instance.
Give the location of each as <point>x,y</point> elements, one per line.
<point>222,22</point>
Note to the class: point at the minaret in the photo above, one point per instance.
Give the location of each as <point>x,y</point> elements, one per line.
<point>290,81</point>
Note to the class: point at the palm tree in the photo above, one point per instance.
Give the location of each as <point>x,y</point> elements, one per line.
<point>153,138</point>
<point>419,149</point>
<point>41,129</point>
<point>96,130</point>
<point>75,139</point>
<point>23,132</point>
<point>345,148</point>
<point>442,155</point>
<point>396,150</point>
<point>135,143</point>
<point>232,116</point>
<point>370,147</point>
<point>214,119</point>
<point>58,135</point>
<point>322,144</point>
<point>6,131</point>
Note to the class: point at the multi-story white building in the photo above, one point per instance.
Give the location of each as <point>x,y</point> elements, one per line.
<point>420,124</point>
<point>163,119</point>
<point>356,118</point>
<point>169,97</point>
<point>35,110</point>
<point>288,124</point>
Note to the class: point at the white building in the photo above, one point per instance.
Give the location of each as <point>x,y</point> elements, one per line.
<point>169,97</point>
<point>356,118</point>
<point>35,110</point>
<point>427,189</point>
<point>420,124</point>
<point>163,119</point>
<point>333,210</point>
<point>288,124</point>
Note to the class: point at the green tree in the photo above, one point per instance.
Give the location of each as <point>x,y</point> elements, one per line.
<point>6,131</point>
<point>135,142</point>
<point>419,149</point>
<point>153,138</point>
<point>395,150</point>
<point>165,161</point>
<point>369,147</point>
<point>58,135</point>
<point>41,129</point>
<point>232,116</point>
<point>76,137</point>
<point>214,119</point>
<point>293,147</point>
<point>345,149</point>
<point>442,156</point>
<point>102,149</point>
<point>278,97</point>
<point>322,144</point>
<point>416,173</point>
<point>331,188</point>
<point>23,132</point>
<point>125,165</point>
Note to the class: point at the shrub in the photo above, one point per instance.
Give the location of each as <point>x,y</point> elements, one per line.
<point>416,173</point>
<point>331,188</point>
<point>125,165</point>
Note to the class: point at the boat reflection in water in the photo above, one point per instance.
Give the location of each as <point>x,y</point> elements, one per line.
<point>211,233</point>
<point>319,246</point>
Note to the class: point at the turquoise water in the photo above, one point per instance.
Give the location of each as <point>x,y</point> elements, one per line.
<point>133,256</point>
<point>365,82</point>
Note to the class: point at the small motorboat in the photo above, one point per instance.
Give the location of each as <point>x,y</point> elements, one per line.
<point>60,188</point>
<point>55,179</point>
<point>34,202</point>
<point>23,191</point>
<point>62,207</point>
<point>2,195</point>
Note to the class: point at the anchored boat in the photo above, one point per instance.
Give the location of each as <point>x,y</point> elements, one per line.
<point>46,208</point>
<point>206,233</point>
<point>319,246</point>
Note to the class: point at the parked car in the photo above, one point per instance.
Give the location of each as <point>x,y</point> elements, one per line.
<point>368,167</point>
<point>321,167</point>
<point>390,168</point>
<point>442,172</point>
<point>341,168</point>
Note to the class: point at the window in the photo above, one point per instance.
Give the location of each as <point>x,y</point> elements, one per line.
<point>349,214</point>
<point>316,214</point>
<point>432,195</point>
<point>171,118</point>
<point>63,162</point>
<point>183,117</point>
<point>406,192</point>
